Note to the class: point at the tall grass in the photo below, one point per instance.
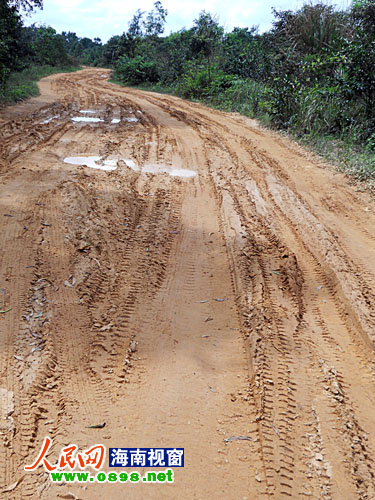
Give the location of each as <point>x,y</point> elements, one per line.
<point>247,97</point>
<point>316,27</point>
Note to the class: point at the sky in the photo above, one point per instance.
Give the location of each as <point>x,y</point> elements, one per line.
<point>105,18</point>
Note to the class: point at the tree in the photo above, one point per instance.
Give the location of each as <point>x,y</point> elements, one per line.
<point>27,5</point>
<point>136,24</point>
<point>173,54</point>
<point>155,21</point>
<point>49,47</point>
<point>207,37</point>
<point>111,50</point>
<point>11,35</point>
<point>245,54</point>
<point>10,26</point>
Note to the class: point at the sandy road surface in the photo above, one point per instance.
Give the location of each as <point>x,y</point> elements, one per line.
<point>108,288</point>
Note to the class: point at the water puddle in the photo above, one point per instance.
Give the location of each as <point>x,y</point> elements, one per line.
<point>131,164</point>
<point>110,165</point>
<point>50,119</point>
<point>86,119</point>
<point>92,162</point>
<point>182,173</point>
<point>130,119</point>
<point>95,119</point>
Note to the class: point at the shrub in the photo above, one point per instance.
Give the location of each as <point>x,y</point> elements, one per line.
<point>202,82</point>
<point>136,70</point>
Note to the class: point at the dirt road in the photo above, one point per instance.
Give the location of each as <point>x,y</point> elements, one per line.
<point>207,280</point>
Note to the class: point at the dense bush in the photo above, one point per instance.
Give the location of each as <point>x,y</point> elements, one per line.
<point>201,82</point>
<point>136,70</point>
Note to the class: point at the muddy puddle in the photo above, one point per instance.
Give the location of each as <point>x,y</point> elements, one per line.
<point>92,162</point>
<point>109,165</point>
<point>48,120</point>
<point>130,119</point>
<point>86,119</point>
<point>96,119</point>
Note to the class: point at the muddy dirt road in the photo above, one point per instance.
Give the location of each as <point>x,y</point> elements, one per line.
<point>206,280</point>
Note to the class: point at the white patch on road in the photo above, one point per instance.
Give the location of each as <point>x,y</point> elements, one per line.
<point>109,165</point>
<point>50,119</point>
<point>86,119</point>
<point>92,162</point>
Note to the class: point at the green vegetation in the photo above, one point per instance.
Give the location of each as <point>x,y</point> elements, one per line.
<point>23,84</point>
<point>311,74</point>
<point>27,53</point>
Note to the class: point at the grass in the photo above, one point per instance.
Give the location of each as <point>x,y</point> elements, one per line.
<point>23,84</point>
<point>353,160</point>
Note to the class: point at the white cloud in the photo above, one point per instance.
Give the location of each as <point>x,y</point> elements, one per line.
<point>102,18</point>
